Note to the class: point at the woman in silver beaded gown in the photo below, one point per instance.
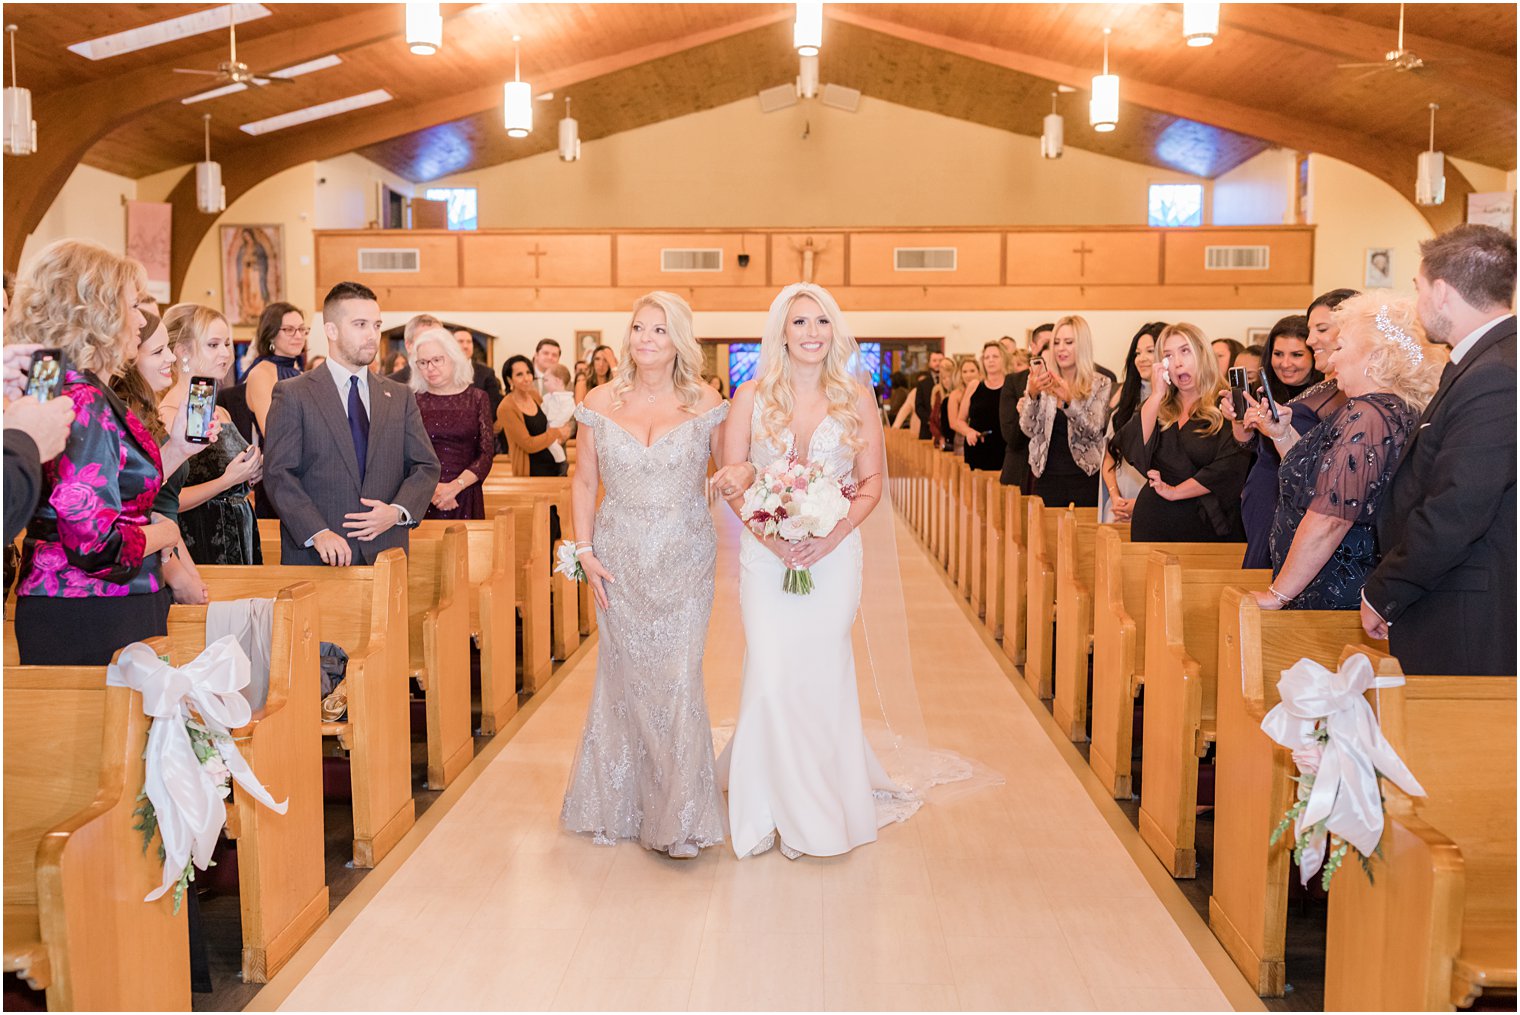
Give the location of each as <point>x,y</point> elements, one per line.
<point>644,770</point>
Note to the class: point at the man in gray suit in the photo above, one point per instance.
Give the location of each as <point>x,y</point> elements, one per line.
<point>346,455</point>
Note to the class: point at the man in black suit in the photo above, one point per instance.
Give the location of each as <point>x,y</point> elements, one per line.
<point>1444,593</point>
<point>346,455</point>
<point>923,394</point>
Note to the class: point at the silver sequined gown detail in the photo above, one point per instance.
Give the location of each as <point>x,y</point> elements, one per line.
<point>644,770</point>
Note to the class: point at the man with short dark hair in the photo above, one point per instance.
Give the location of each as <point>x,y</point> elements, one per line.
<point>485,378</point>
<point>344,496</point>
<point>1444,592</point>
<point>1039,339</point>
<point>923,394</point>
<point>545,356</point>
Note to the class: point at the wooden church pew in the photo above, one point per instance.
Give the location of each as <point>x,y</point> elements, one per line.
<point>1181,678</point>
<point>438,633</point>
<point>1015,555</point>
<point>994,558</point>
<point>76,871</point>
<point>363,609</point>
<point>1040,584</point>
<point>1074,617</point>
<point>531,565</point>
<point>1436,926</point>
<point>1118,655</point>
<point>282,877</point>
<point>493,615</point>
<point>1253,784</point>
<point>565,595</point>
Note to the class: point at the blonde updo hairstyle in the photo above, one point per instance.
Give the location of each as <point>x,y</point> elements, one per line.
<point>687,369</point>
<point>188,324</point>
<point>1210,386</point>
<point>773,386</point>
<point>1389,365</point>
<point>78,296</point>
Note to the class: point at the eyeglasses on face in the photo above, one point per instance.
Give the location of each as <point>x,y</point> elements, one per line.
<point>302,330</point>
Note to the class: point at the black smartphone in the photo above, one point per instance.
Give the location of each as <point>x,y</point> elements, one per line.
<point>1037,364</point>
<point>44,377</point>
<point>1266,392</point>
<point>202,410</point>
<point>1237,379</point>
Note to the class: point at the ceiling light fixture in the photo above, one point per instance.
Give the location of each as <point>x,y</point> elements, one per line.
<point>569,137</point>
<point>20,128</point>
<point>517,98</point>
<point>183,27</point>
<point>807,32</point>
<point>424,28</point>
<point>1103,110</point>
<point>210,195</point>
<point>320,63</point>
<point>807,77</point>
<point>1053,138</point>
<point>317,112</point>
<point>1200,23</point>
<point>1430,176</point>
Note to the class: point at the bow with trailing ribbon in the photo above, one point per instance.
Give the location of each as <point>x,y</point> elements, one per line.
<point>186,799</point>
<point>1344,799</point>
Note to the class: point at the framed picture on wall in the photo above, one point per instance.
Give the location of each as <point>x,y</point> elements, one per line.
<point>1378,271</point>
<point>253,271</point>
<point>585,341</point>
<point>1495,209</point>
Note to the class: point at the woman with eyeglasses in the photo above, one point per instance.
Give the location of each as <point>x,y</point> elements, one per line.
<point>281,344</point>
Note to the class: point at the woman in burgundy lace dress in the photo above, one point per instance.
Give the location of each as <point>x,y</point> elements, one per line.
<point>459,421</point>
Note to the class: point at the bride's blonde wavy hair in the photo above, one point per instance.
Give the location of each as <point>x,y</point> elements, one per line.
<point>687,370</point>
<point>773,387</point>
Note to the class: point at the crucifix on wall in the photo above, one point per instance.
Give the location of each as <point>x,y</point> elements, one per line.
<point>1082,250</point>
<point>537,256</point>
<point>809,252</point>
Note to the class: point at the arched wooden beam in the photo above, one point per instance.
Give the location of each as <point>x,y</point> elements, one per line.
<point>256,163</point>
<point>1395,168</point>
<point>75,118</point>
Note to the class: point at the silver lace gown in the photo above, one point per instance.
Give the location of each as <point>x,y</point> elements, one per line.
<point>644,770</point>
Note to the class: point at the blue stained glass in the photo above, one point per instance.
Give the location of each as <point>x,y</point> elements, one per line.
<point>744,357</point>
<point>1175,204</point>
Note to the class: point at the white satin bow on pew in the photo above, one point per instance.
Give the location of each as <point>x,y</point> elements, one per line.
<point>1345,794</point>
<point>186,799</point>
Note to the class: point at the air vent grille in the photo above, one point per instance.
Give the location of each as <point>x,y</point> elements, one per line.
<point>1237,258</point>
<point>376,260</point>
<point>924,258</point>
<point>691,259</point>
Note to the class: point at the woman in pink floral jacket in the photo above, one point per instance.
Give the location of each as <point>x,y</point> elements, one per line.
<point>89,581</point>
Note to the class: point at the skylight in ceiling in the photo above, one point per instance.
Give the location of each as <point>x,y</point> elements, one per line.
<point>317,112</point>
<point>320,63</point>
<point>157,34</point>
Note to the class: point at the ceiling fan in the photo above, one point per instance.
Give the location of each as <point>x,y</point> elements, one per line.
<point>233,71</point>
<point>1398,59</point>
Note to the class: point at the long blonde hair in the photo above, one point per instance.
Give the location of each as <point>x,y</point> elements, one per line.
<point>773,386</point>
<point>78,296</point>
<point>687,370</point>
<point>1210,385</point>
<point>1086,371</point>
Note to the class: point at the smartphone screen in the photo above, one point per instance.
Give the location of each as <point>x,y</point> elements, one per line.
<point>1237,379</point>
<point>44,378</point>
<point>202,410</point>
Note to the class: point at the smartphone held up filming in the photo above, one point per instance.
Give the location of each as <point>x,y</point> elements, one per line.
<point>1237,379</point>
<point>44,377</point>
<point>201,411</point>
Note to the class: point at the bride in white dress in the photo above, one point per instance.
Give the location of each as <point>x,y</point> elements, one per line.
<point>799,763</point>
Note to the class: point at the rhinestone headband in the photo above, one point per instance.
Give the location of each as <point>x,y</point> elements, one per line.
<point>1398,336</point>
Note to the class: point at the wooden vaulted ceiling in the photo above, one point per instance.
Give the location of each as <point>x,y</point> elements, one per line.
<point>1269,79</point>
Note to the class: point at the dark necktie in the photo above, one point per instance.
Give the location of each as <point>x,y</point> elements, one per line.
<point>358,424</point>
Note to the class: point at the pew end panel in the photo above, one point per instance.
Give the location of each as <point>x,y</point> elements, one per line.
<point>1014,556</point>
<point>439,633</point>
<point>1075,560</point>
<point>530,516</point>
<point>493,550</point>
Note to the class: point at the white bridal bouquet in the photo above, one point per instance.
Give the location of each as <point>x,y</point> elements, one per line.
<point>794,500</point>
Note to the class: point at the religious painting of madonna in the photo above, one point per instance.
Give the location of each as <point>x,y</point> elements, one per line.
<point>253,271</point>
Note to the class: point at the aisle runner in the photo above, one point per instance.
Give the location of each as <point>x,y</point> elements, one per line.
<point>1018,896</point>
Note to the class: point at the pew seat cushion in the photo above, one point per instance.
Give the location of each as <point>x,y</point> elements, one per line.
<point>24,951</point>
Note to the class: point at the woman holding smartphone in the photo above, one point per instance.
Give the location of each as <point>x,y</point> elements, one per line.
<point>1194,469</point>
<point>977,413</point>
<point>1064,412</point>
<point>215,516</point>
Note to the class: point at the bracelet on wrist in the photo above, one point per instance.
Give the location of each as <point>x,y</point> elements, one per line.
<point>1284,600</point>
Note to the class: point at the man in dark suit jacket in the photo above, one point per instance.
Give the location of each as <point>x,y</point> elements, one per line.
<point>923,394</point>
<point>1016,454</point>
<point>485,377</point>
<point>346,456</point>
<point>1444,592</point>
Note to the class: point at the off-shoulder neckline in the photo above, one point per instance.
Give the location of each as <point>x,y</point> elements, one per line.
<point>586,408</point>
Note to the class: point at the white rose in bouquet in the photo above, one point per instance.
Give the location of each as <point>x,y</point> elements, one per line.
<point>824,506</point>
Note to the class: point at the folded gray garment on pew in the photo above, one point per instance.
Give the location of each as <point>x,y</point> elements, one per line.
<point>251,622</point>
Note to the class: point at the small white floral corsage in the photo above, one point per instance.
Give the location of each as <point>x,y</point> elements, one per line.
<point>569,564</point>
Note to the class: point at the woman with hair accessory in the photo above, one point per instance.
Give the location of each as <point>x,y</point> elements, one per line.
<point>644,770</point>
<point>1333,478</point>
<point>1193,467</point>
<point>1064,412</point>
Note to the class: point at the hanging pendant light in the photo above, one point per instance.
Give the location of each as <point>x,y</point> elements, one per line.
<point>517,98</point>
<point>210,195</point>
<point>1053,138</point>
<point>424,28</point>
<point>569,137</point>
<point>807,77</point>
<point>1200,23</point>
<point>807,32</point>
<point>1103,110</point>
<point>1430,178</point>
<point>20,128</point>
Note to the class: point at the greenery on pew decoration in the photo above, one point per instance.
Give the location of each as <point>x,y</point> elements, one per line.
<point>1335,856</point>
<point>204,743</point>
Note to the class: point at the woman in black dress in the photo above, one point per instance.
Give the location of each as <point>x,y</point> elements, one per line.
<point>977,413</point>
<point>1194,469</point>
<point>458,419</point>
<point>280,342</point>
<point>1065,413</point>
<point>1332,479</point>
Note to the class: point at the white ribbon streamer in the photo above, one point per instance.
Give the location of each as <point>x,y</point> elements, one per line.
<point>186,799</point>
<point>1345,795</point>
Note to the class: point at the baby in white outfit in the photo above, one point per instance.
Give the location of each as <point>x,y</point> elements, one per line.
<point>559,403</point>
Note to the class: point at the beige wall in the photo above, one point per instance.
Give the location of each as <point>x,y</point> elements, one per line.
<point>88,208</point>
<point>1353,211</point>
<point>883,165</point>
<point>1258,192</point>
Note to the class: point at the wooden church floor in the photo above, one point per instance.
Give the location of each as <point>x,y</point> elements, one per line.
<point>1036,893</point>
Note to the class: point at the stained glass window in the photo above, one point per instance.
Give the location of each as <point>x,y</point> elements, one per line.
<point>1176,204</point>
<point>744,357</point>
<point>463,210</point>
